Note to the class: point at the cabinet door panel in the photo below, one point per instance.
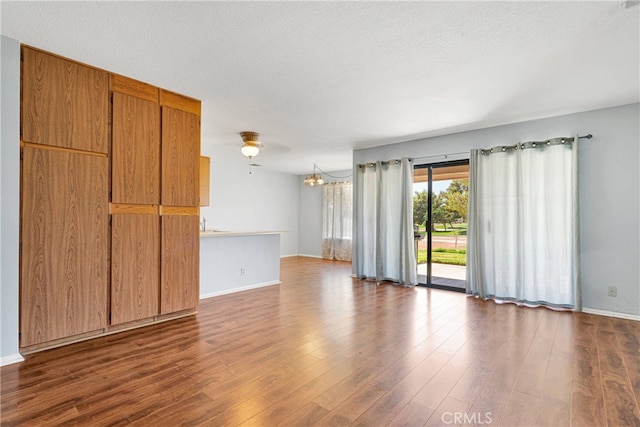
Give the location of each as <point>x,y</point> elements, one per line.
<point>64,245</point>
<point>136,151</point>
<point>180,157</point>
<point>135,267</point>
<point>205,172</point>
<point>64,104</point>
<point>180,263</point>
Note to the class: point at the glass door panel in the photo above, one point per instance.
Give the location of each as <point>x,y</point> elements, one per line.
<point>440,223</point>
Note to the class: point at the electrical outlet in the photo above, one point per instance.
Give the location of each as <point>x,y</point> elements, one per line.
<point>242,271</point>
<point>613,291</point>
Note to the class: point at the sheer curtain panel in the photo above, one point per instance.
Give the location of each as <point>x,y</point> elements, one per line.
<point>523,224</point>
<point>384,222</point>
<point>337,214</point>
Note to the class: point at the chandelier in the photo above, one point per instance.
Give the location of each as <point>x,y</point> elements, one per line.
<point>315,178</point>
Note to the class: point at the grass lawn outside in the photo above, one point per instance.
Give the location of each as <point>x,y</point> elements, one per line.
<point>444,256</point>
<point>449,232</point>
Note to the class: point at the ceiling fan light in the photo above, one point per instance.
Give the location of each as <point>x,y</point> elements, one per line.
<point>250,150</point>
<point>251,143</point>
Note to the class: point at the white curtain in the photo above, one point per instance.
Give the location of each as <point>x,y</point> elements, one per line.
<point>337,214</point>
<point>523,224</point>
<point>383,247</point>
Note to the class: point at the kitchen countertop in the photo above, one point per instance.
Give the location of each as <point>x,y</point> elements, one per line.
<point>221,233</point>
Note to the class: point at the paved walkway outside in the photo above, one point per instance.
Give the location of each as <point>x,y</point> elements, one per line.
<point>448,271</point>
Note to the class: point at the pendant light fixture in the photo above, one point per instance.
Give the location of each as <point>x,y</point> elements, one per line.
<point>251,144</point>
<point>315,178</point>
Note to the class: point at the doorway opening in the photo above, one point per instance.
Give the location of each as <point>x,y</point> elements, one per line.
<point>440,202</point>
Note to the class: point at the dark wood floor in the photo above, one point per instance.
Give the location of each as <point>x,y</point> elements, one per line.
<point>325,349</point>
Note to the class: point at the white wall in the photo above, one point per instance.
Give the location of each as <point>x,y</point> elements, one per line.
<point>260,201</point>
<point>237,263</point>
<point>609,196</point>
<point>310,215</point>
<point>9,197</point>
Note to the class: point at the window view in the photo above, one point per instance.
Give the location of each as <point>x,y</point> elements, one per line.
<point>441,226</point>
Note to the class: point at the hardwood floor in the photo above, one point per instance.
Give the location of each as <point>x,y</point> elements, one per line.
<point>325,349</point>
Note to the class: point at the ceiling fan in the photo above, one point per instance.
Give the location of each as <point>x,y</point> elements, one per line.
<point>251,144</point>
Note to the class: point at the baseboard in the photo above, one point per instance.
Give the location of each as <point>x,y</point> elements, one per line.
<point>11,359</point>
<point>244,288</point>
<point>611,313</point>
<point>306,256</point>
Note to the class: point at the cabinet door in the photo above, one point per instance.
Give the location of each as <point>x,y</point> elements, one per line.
<point>180,263</point>
<point>64,229</point>
<point>180,157</point>
<point>205,172</point>
<point>64,104</point>
<point>135,152</point>
<point>135,267</point>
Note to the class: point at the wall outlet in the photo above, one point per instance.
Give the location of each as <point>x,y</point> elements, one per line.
<point>242,271</point>
<point>613,291</point>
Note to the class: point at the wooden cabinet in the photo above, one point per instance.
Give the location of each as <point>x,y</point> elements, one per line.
<point>180,262</point>
<point>101,149</point>
<point>180,259</point>
<point>205,177</point>
<point>180,157</point>
<point>64,103</point>
<point>135,181</point>
<point>64,240</point>
<point>135,266</point>
<point>135,152</point>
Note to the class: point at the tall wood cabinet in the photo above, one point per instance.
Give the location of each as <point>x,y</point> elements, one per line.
<point>135,189</point>
<point>109,202</point>
<point>64,199</point>
<point>180,202</point>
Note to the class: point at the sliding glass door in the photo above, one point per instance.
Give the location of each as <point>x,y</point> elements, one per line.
<point>440,223</point>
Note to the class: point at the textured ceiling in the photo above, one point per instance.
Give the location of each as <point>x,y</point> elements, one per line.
<point>318,79</point>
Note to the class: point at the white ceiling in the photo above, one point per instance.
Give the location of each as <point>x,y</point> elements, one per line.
<point>318,79</point>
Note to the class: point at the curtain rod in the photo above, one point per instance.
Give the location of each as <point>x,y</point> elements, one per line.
<point>533,144</point>
<point>587,136</point>
<point>374,164</point>
<point>446,156</point>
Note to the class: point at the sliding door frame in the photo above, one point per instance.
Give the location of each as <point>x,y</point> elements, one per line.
<point>429,235</point>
